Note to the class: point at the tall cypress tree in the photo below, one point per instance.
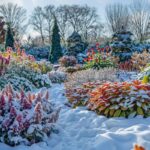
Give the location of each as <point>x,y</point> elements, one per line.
<point>56,50</point>
<point>9,40</point>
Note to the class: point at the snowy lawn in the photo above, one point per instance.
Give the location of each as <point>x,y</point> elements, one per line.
<point>80,129</point>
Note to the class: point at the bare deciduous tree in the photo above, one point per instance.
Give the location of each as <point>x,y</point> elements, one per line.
<point>117,16</point>
<point>37,20</point>
<point>49,16</point>
<point>15,16</point>
<point>95,32</point>
<point>75,17</point>
<point>80,18</point>
<point>62,17</point>
<point>90,20</point>
<point>140,18</point>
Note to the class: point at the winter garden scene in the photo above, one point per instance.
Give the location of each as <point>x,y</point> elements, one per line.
<point>74,75</point>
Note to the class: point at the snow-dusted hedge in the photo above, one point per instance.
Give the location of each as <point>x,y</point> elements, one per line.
<point>36,78</point>
<point>57,76</point>
<point>25,118</point>
<point>16,82</point>
<point>124,99</point>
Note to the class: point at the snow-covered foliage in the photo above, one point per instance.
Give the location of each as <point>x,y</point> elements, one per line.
<point>125,99</point>
<point>112,99</point>
<point>39,52</point>
<point>81,57</point>
<point>57,76</point>
<point>25,118</point>
<point>77,126</point>
<point>122,44</point>
<point>26,77</point>
<point>22,71</point>
<point>16,82</point>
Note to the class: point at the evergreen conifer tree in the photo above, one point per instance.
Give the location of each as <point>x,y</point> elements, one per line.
<point>9,41</point>
<point>56,50</point>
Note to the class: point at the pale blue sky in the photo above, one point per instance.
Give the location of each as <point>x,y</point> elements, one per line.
<point>99,4</point>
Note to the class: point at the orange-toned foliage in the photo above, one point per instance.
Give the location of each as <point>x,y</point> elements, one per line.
<point>121,99</point>
<point>137,147</point>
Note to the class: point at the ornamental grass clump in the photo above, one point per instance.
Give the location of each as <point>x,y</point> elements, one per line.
<point>25,118</point>
<point>91,75</point>
<point>121,99</point>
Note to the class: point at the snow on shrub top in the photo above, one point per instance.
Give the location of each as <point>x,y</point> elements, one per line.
<point>25,118</point>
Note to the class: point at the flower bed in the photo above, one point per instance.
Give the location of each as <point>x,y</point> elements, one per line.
<point>98,57</point>
<point>21,58</point>
<point>98,60</point>
<point>22,71</point>
<point>25,118</point>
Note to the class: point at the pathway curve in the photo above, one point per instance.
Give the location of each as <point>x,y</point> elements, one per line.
<point>80,129</point>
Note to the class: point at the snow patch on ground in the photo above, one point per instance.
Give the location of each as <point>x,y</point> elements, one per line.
<point>80,129</point>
